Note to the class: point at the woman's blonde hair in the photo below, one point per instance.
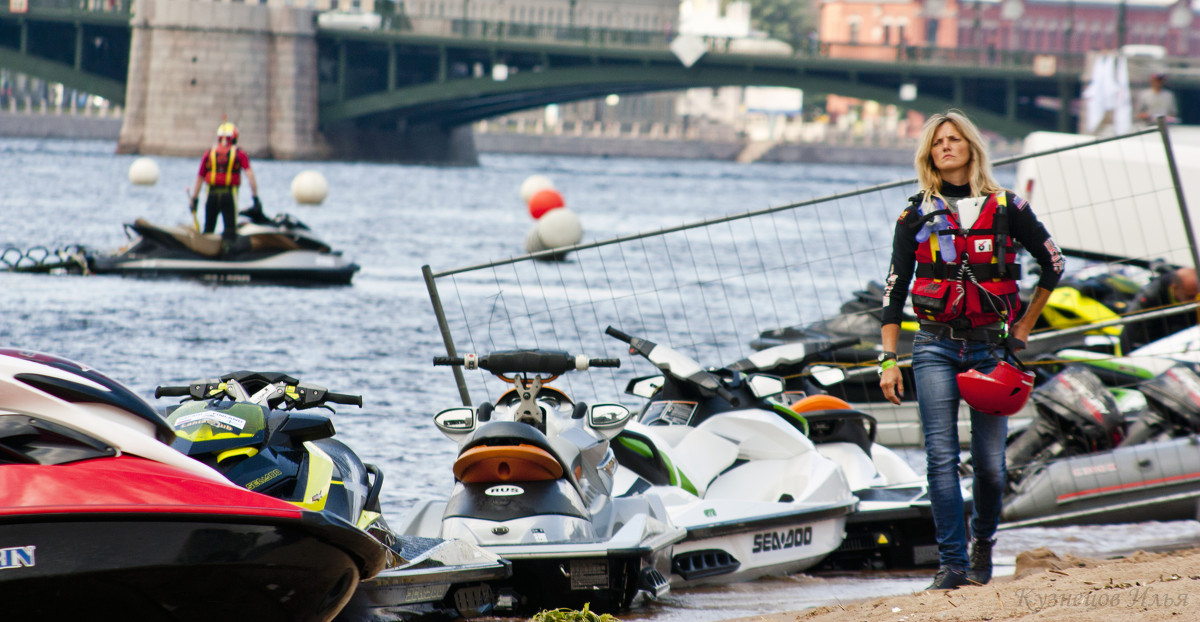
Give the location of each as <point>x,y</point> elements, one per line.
<point>979,172</point>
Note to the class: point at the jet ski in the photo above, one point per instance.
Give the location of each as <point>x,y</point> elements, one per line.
<point>250,427</point>
<point>533,483</point>
<point>102,519</point>
<point>739,473</point>
<point>281,249</point>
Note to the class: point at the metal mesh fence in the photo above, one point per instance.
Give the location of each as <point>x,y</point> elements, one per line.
<point>712,288</point>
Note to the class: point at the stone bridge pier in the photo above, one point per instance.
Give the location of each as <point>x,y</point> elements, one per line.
<point>193,64</point>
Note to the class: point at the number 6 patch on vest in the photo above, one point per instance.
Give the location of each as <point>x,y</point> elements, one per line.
<point>983,245</point>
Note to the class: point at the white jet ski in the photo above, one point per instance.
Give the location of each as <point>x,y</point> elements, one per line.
<point>893,526</point>
<point>756,496</point>
<point>533,483</point>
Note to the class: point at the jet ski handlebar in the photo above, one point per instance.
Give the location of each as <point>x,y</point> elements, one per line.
<point>343,398</point>
<point>526,361</point>
<point>676,364</point>
<point>272,390</point>
<point>171,392</point>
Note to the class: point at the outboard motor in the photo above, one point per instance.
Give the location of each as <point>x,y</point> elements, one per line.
<point>1076,414</point>
<point>1174,400</point>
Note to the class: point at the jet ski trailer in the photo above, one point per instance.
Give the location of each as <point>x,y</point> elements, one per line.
<point>279,250</point>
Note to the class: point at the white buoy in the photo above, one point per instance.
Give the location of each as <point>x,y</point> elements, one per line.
<point>143,172</point>
<point>558,228</point>
<point>309,188</point>
<point>532,185</point>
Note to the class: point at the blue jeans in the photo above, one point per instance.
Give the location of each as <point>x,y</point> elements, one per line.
<point>936,364</point>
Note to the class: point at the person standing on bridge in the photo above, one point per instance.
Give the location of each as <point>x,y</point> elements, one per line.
<point>1156,101</point>
<point>221,168</point>
<point>957,237</point>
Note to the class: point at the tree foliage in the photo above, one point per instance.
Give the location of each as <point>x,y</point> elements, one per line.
<point>786,20</point>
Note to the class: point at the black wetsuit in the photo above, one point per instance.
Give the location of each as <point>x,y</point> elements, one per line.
<point>1156,294</point>
<point>221,202</point>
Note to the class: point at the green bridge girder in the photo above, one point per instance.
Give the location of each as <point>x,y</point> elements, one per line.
<point>462,101</point>
<point>64,41</point>
<point>388,77</point>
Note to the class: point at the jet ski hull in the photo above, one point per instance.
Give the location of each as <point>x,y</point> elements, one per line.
<point>438,574</point>
<point>1153,481</point>
<point>126,568</point>
<point>129,538</point>
<point>752,540</point>
<point>885,532</point>
<point>568,570</point>
<point>291,266</point>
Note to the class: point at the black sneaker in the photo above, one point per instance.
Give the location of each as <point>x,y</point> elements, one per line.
<point>981,561</point>
<point>948,579</point>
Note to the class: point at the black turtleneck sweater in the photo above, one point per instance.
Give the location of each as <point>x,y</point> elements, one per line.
<point>1023,225</point>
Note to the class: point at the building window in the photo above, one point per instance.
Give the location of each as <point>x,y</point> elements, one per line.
<point>854,29</point>
<point>931,32</point>
<point>887,34</point>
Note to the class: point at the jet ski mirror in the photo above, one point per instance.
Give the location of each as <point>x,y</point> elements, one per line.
<point>608,419</point>
<point>302,427</point>
<point>454,422</point>
<point>762,385</point>
<point>644,387</point>
<point>827,375</point>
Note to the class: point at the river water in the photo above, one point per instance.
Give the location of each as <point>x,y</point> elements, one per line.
<point>377,337</point>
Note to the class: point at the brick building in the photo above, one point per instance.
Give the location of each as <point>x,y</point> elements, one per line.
<point>1029,25</point>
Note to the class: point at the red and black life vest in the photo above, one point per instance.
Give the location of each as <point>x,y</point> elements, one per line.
<point>223,167</point>
<point>944,291</point>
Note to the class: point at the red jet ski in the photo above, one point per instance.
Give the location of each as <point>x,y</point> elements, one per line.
<point>101,519</point>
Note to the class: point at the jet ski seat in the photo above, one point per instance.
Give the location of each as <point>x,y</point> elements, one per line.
<point>506,451</point>
<point>842,426</point>
<point>833,420</point>
<point>205,244</point>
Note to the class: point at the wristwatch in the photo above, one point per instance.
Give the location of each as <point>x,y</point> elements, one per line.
<point>887,360</point>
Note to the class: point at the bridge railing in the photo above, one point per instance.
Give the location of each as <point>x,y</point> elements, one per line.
<point>490,30</point>
<point>120,7</point>
<point>1072,62</point>
<point>500,30</point>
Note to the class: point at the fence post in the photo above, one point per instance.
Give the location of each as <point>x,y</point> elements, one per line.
<point>1183,210</point>
<point>444,326</point>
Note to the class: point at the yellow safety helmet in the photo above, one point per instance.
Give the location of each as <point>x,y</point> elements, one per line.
<point>227,130</point>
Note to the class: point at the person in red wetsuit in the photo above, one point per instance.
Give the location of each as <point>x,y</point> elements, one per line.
<point>221,168</point>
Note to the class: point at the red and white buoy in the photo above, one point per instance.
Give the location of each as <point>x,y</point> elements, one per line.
<point>543,201</point>
<point>556,226</point>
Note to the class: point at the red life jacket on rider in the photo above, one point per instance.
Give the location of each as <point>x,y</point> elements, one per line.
<point>944,291</point>
<point>223,167</point>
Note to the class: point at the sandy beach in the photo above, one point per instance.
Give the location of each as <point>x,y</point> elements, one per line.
<point>1044,587</point>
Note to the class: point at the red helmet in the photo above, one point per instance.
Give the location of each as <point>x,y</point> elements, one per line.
<point>1002,392</point>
